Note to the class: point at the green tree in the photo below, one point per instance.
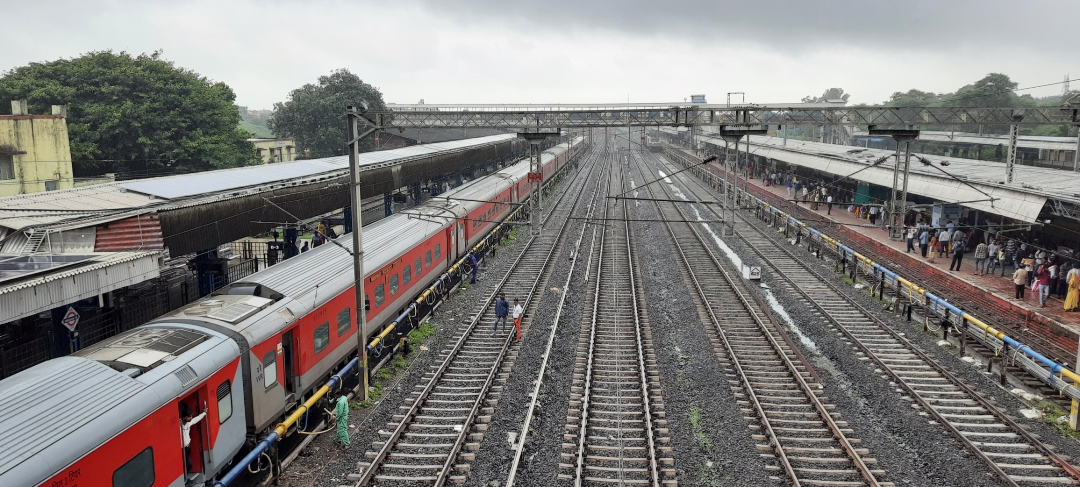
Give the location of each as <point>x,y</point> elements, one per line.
<point>135,114</point>
<point>913,98</point>
<point>315,113</point>
<point>993,90</point>
<point>829,94</point>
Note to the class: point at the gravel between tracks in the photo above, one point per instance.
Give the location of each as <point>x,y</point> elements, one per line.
<point>719,450</point>
<point>942,458</point>
<point>324,462</point>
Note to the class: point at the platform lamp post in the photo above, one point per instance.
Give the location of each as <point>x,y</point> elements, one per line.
<point>354,114</point>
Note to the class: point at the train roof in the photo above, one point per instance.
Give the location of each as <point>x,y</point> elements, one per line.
<point>55,412</point>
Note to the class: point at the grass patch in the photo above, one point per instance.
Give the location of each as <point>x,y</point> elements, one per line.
<point>425,330</point>
<point>1058,418</point>
<point>695,420</point>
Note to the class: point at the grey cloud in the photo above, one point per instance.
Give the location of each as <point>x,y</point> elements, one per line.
<point>796,25</point>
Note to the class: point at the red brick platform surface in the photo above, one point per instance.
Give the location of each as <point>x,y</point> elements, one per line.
<point>1049,330</point>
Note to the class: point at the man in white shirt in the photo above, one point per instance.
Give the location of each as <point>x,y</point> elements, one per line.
<point>186,422</point>
<point>518,313</point>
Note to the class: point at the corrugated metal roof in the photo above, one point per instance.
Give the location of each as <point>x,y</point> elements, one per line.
<point>45,403</point>
<point>173,187</point>
<point>87,205</point>
<point>106,273</point>
<point>142,232</point>
<point>48,208</point>
<point>1023,141</point>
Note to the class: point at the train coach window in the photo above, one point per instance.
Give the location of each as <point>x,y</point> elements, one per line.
<point>322,337</point>
<point>270,369</point>
<point>418,266</point>
<point>393,284</point>
<point>438,252</point>
<point>380,294</point>
<point>427,259</point>
<point>406,275</point>
<point>344,321</point>
<point>224,402</point>
<point>137,472</point>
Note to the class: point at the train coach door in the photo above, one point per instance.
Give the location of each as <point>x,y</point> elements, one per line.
<point>194,431</point>
<point>287,355</point>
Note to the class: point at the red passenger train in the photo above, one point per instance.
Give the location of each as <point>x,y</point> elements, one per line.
<point>238,360</point>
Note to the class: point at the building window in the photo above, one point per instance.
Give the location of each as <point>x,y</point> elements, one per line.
<point>418,267</point>
<point>380,294</point>
<point>438,252</point>
<point>7,167</point>
<point>51,185</point>
<point>137,472</point>
<point>270,369</point>
<point>224,402</point>
<point>322,337</point>
<point>406,275</point>
<point>344,321</point>
<point>393,284</point>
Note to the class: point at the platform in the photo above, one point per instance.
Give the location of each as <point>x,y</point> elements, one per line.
<point>1052,322</point>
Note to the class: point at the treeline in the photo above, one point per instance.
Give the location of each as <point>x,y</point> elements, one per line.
<point>143,116</point>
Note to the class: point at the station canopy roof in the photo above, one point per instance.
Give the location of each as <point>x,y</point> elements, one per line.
<point>969,182</point>
<point>110,201</point>
<point>1023,141</point>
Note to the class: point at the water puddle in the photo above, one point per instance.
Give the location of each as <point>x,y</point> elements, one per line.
<point>779,310</point>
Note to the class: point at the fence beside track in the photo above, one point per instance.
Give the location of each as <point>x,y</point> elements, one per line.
<point>1054,374</point>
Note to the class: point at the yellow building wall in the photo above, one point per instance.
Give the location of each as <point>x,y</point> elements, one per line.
<point>44,138</point>
<point>275,150</point>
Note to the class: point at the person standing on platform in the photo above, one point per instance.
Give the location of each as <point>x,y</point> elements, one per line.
<point>924,240</point>
<point>958,254</point>
<point>519,312</point>
<point>1072,299</point>
<point>950,226</point>
<point>1042,284</point>
<point>943,243</point>
<point>789,187</point>
<point>910,239</point>
<point>933,247</point>
<point>1020,281</point>
<point>981,251</point>
<point>828,200</point>
<point>992,256</point>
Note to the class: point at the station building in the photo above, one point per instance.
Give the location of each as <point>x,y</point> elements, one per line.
<point>34,151</point>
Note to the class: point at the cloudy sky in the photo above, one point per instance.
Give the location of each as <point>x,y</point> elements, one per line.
<point>572,51</point>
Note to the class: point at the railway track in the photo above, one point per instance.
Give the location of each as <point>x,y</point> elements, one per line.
<point>615,434</point>
<point>433,438</point>
<point>1014,454</point>
<point>782,400</point>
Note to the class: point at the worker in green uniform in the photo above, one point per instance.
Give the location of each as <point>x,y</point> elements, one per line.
<point>342,414</point>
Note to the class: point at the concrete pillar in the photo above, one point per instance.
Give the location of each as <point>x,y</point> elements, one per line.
<point>19,107</point>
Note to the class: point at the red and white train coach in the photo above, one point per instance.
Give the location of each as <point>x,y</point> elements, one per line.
<point>245,356</point>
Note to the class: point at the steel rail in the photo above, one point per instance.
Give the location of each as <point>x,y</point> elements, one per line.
<point>908,346</point>
<point>971,393</point>
<point>519,447</point>
<point>1033,362</point>
<point>390,442</point>
<point>826,417</point>
<point>602,284</point>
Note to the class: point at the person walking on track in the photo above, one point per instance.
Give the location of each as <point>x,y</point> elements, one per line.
<point>475,265</point>
<point>341,412</point>
<point>518,313</point>
<point>502,309</point>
